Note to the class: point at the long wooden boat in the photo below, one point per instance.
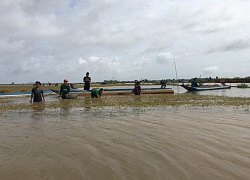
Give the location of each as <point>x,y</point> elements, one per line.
<point>21,93</point>
<point>127,91</point>
<point>113,89</point>
<point>78,92</point>
<point>205,88</point>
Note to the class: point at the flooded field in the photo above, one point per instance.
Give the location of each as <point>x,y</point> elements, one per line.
<point>170,142</point>
<point>182,136</point>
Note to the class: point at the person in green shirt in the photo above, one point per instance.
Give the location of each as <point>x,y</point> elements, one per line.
<point>96,92</point>
<point>64,90</point>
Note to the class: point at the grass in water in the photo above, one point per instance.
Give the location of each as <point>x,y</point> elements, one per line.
<point>135,101</point>
<point>243,86</point>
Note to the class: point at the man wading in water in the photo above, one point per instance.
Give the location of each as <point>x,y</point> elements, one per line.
<point>37,93</point>
<point>64,90</point>
<point>87,81</point>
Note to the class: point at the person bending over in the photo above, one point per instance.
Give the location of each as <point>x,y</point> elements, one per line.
<point>96,93</point>
<point>137,88</point>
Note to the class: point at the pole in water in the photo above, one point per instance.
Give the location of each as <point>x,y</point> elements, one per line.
<point>176,77</point>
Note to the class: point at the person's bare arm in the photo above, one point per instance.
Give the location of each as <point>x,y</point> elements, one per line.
<point>43,96</point>
<point>31,97</point>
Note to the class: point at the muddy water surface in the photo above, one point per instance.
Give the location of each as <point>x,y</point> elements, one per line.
<point>153,143</point>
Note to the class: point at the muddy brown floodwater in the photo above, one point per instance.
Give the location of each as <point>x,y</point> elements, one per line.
<point>150,143</point>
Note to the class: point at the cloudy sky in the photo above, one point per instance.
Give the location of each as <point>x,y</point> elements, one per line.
<point>49,40</point>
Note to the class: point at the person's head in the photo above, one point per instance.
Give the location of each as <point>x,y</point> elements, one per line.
<point>101,90</point>
<point>65,81</point>
<point>37,84</point>
<point>87,74</point>
<point>194,79</point>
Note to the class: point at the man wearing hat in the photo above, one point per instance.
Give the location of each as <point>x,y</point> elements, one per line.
<point>64,90</point>
<point>37,94</point>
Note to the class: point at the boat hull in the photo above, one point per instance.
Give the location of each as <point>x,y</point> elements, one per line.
<point>107,92</point>
<point>205,88</point>
<point>126,92</point>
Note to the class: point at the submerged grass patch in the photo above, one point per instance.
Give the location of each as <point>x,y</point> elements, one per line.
<point>243,86</point>
<point>135,101</point>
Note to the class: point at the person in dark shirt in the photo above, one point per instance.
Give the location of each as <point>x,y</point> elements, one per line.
<point>87,81</point>
<point>64,90</point>
<point>194,83</point>
<point>137,88</point>
<point>37,94</point>
<point>163,83</point>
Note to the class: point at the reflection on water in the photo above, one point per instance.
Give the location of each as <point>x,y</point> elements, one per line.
<point>126,143</point>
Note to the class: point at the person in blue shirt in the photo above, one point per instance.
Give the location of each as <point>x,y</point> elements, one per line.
<point>194,83</point>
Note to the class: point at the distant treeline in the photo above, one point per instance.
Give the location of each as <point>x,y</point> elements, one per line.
<point>168,81</point>
<point>201,80</point>
<point>219,80</point>
<point>172,81</point>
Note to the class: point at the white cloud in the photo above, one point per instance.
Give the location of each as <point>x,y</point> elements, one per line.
<point>82,61</point>
<point>211,70</point>
<point>164,57</point>
<point>125,39</point>
<point>142,61</point>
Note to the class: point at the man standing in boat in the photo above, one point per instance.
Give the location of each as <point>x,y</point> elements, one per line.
<point>87,81</point>
<point>37,94</point>
<point>194,83</point>
<point>64,90</point>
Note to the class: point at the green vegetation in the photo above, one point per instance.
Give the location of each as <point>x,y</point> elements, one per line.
<point>243,86</point>
<point>136,101</point>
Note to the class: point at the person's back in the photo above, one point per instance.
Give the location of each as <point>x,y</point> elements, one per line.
<point>194,83</point>
<point>96,92</point>
<point>137,89</point>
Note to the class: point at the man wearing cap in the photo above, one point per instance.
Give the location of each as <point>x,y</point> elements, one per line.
<point>37,94</point>
<point>64,90</point>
